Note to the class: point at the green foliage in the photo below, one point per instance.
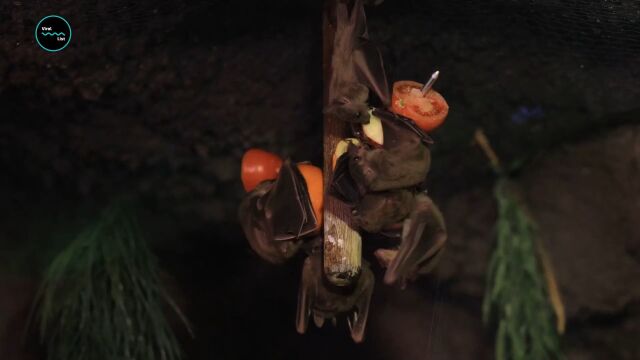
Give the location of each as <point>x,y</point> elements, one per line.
<point>101,297</point>
<point>516,295</point>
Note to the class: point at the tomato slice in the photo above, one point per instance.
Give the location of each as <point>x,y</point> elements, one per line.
<point>257,166</point>
<point>313,177</point>
<point>428,111</point>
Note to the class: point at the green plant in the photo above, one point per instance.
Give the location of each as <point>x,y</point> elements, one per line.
<point>516,294</point>
<point>521,294</point>
<point>102,299</point>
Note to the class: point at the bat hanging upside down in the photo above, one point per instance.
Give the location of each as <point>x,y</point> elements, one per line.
<point>380,172</point>
<point>319,299</point>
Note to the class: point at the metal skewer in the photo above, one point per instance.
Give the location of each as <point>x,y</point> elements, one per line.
<point>429,84</point>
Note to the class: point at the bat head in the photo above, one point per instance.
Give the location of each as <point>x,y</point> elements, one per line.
<point>364,163</point>
<point>402,161</point>
<point>350,103</point>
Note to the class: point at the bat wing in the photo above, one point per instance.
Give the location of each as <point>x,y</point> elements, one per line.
<point>361,309</point>
<point>423,237</point>
<point>288,206</point>
<point>355,59</point>
<point>369,70</point>
<point>342,184</point>
<point>306,294</point>
<point>399,129</point>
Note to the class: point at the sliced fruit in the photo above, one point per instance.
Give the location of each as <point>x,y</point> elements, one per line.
<point>428,111</point>
<point>341,148</point>
<point>313,177</point>
<point>257,166</point>
<point>373,130</point>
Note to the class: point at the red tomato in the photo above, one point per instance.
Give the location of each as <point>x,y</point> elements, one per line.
<point>428,111</point>
<point>257,166</point>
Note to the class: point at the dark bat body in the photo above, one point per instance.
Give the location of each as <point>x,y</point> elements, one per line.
<point>276,214</point>
<point>357,68</point>
<point>378,211</point>
<point>383,183</point>
<point>403,160</point>
<point>319,299</point>
<point>423,238</point>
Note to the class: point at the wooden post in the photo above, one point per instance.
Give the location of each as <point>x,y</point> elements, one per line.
<point>342,244</point>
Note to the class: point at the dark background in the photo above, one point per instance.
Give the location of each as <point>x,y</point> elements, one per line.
<point>161,98</point>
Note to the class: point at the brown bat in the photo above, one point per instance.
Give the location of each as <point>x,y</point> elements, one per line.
<point>423,238</point>
<point>402,161</point>
<point>322,300</point>
<point>276,214</point>
<point>357,66</point>
<point>384,183</point>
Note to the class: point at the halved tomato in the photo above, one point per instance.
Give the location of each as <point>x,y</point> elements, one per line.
<point>428,111</point>
<point>257,166</point>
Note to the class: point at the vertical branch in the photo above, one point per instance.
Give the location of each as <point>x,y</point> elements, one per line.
<point>342,244</point>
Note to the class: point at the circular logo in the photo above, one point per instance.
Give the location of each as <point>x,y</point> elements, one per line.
<point>53,33</point>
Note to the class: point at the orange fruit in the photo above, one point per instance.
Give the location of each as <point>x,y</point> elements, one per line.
<point>257,166</point>
<point>313,177</point>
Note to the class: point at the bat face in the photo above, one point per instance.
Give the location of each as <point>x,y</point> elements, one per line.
<point>380,169</point>
<point>323,301</point>
<point>350,105</point>
<point>402,161</point>
<point>276,214</point>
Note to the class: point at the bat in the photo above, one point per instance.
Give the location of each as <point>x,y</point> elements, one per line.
<point>357,67</point>
<point>319,299</point>
<point>379,211</point>
<point>403,160</point>
<point>276,214</point>
<point>423,239</point>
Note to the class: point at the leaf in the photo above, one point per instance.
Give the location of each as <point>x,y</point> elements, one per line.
<point>101,297</point>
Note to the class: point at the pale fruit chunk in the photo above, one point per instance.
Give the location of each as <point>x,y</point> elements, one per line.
<point>342,147</point>
<point>373,130</point>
